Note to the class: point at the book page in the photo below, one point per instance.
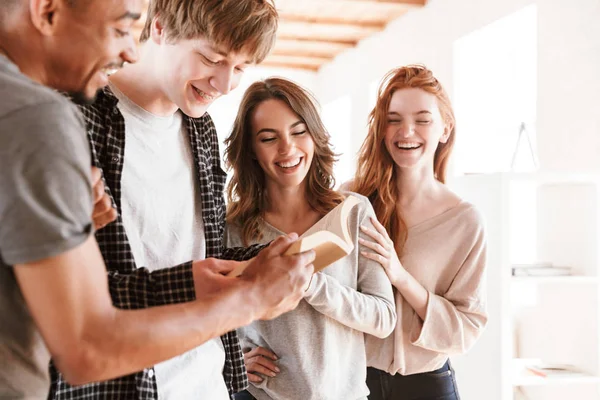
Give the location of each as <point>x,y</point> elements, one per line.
<point>336,221</point>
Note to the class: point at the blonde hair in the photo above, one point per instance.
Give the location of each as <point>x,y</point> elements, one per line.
<point>234,25</point>
<point>376,175</point>
<point>246,190</point>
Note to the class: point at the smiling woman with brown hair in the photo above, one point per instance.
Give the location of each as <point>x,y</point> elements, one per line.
<point>282,182</point>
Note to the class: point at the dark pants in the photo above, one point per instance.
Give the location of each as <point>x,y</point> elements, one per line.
<point>244,395</point>
<point>435,385</point>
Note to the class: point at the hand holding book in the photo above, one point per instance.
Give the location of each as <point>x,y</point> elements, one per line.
<point>331,242</point>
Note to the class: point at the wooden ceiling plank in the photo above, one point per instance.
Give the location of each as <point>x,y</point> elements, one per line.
<point>342,41</point>
<point>313,19</point>
<point>289,65</point>
<point>406,3</point>
<point>306,52</point>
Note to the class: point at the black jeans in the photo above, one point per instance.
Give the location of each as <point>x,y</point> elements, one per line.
<point>435,385</point>
<point>243,395</point>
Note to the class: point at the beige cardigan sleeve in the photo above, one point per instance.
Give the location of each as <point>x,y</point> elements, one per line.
<point>454,321</point>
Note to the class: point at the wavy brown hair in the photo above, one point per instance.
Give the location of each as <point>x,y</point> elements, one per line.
<point>246,190</point>
<point>376,175</point>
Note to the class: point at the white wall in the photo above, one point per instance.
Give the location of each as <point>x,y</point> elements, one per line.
<point>569,84</point>
<point>568,125</point>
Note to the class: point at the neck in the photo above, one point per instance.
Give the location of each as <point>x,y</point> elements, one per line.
<point>415,185</point>
<point>289,204</point>
<point>28,55</point>
<point>142,85</point>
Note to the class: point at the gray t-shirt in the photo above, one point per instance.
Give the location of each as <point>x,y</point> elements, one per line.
<point>45,210</point>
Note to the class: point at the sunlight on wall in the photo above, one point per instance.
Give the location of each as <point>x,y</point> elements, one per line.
<point>495,82</point>
<point>336,116</point>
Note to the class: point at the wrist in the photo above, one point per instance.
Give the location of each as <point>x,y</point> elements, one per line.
<point>252,298</point>
<point>401,280</point>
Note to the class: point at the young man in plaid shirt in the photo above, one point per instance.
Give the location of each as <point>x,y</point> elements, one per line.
<point>159,153</point>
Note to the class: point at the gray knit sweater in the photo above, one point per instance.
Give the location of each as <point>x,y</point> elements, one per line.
<point>320,344</point>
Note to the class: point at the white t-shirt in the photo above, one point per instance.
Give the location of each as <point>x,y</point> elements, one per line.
<point>162,214</point>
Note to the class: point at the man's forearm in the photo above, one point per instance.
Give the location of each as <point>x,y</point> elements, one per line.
<point>91,340</point>
<point>130,340</point>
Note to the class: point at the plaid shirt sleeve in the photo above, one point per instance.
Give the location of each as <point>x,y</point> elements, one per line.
<point>242,253</point>
<point>142,288</point>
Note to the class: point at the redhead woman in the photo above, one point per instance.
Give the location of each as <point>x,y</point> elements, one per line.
<point>430,242</point>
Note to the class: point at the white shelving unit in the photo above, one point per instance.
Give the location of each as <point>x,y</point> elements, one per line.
<point>540,217</point>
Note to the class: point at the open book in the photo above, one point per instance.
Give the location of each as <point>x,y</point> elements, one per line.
<point>331,241</point>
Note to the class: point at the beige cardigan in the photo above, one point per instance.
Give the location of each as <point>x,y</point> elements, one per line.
<point>447,255</point>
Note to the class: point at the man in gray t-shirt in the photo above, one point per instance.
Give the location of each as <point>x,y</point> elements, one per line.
<point>41,146</point>
<point>53,290</point>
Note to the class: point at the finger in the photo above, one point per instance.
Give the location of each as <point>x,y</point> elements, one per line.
<point>100,221</point>
<point>261,351</point>
<point>380,228</point>
<point>262,365</point>
<point>281,244</point>
<point>305,258</point>
<point>261,369</point>
<point>103,205</point>
<point>254,378</point>
<point>376,257</point>
<point>99,192</point>
<point>374,235</point>
<point>96,175</point>
<point>375,246</point>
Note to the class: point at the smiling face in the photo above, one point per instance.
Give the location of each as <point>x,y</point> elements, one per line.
<point>414,128</point>
<point>194,73</point>
<point>283,147</point>
<point>91,40</point>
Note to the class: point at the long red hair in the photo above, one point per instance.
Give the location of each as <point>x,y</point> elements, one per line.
<point>376,175</point>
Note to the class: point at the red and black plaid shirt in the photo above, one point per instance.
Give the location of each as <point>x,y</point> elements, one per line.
<point>132,287</point>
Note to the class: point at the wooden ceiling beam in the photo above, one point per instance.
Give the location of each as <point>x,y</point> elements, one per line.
<point>313,62</point>
<point>310,48</point>
<point>312,19</point>
<point>407,3</point>
<point>311,39</point>
<point>275,64</point>
<point>303,53</point>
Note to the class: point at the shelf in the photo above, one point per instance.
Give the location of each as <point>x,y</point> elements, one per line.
<point>556,279</point>
<point>554,178</point>
<point>521,376</point>
<point>533,380</point>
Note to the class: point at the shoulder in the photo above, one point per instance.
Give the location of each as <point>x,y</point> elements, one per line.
<point>21,93</point>
<point>363,208</point>
<point>232,235</point>
<point>204,124</point>
<point>47,125</point>
<point>345,187</point>
<point>469,222</point>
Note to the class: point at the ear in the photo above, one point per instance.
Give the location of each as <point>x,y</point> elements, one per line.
<point>157,33</point>
<point>445,136</point>
<point>43,13</point>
